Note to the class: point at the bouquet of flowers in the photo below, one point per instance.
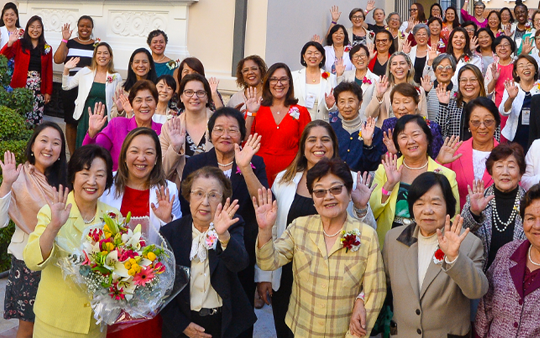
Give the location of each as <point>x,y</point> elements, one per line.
<point>127,278</point>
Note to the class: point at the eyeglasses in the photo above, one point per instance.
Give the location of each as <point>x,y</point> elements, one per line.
<point>471,80</point>
<point>359,56</point>
<point>218,131</point>
<point>441,68</point>
<point>315,54</point>
<point>357,17</point>
<point>525,66</point>
<point>469,29</point>
<point>247,70</point>
<point>413,10</point>
<point>393,19</point>
<point>189,93</point>
<point>486,123</point>
<point>503,45</point>
<point>321,193</point>
<point>212,196</point>
<point>381,41</point>
<point>275,80</point>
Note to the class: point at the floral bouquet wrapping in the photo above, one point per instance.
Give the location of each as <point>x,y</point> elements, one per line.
<point>128,277</point>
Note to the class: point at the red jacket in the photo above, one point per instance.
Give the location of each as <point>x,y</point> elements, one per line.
<point>22,60</point>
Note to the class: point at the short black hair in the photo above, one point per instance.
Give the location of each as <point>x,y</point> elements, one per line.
<point>194,77</point>
<point>530,196</point>
<point>352,87</point>
<point>426,181</point>
<point>400,127</point>
<point>169,81</point>
<point>319,47</point>
<point>229,112</point>
<point>85,17</point>
<point>502,152</point>
<point>499,40</point>
<point>470,23</point>
<point>357,48</point>
<point>83,157</point>
<point>488,32</point>
<point>480,101</point>
<point>330,41</point>
<point>325,166</point>
<point>154,33</point>
<point>531,60</point>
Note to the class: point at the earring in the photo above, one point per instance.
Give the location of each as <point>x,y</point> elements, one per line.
<point>469,129</point>
<point>32,154</point>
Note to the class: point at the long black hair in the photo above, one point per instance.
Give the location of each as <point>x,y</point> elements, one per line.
<point>132,77</point>
<point>57,173</point>
<point>26,41</point>
<point>10,5</point>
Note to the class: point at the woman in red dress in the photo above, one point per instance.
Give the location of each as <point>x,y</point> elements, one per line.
<point>277,118</point>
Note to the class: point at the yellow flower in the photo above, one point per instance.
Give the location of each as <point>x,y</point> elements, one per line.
<point>127,265</point>
<point>152,256</point>
<point>104,253</point>
<point>108,246</point>
<point>131,272</point>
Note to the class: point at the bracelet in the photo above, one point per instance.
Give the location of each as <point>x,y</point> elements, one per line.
<point>251,114</point>
<point>367,11</point>
<point>335,23</point>
<point>386,192</point>
<point>361,296</point>
<point>64,41</point>
<point>360,212</point>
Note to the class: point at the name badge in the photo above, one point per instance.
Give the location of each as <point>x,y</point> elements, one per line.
<point>310,100</point>
<point>525,116</point>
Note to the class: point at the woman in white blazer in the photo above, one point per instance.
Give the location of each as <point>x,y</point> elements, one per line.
<point>293,199</point>
<point>139,185</point>
<point>532,172</point>
<point>337,49</point>
<point>361,75</point>
<point>420,54</point>
<point>312,85</point>
<point>96,83</point>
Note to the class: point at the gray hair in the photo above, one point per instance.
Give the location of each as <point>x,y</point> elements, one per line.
<point>390,15</point>
<point>479,3</point>
<point>441,57</point>
<point>419,27</point>
<point>376,10</point>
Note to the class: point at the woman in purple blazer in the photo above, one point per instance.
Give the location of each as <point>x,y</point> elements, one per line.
<point>143,98</point>
<point>468,159</point>
<point>510,308</point>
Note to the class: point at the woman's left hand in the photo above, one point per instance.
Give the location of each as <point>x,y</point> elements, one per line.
<point>389,142</point>
<point>474,43</point>
<point>47,98</point>
<point>368,130</point>
<point>223,219</point>
<point>426,83</point>
<point>511,88</point>
<point>357,326</point>
<point>164,209</point>
<point>527,46</point>
<point>317,38</point>
<point>364,187</point>
<point>213,82</point>
<point>450,241</point>
<point>126,105</point>
<point>406,47</point>
<point>330,99</point>
<point>251,147</point>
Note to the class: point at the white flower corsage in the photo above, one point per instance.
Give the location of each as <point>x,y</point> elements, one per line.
<point>173,64</point>
<point>351,240</point>
<point>47,49</point>
<point>295,113</point>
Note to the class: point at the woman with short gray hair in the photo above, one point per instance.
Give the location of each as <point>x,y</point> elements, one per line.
<point>421,53</point>
<point>441,72</point>
<point>478,17</point>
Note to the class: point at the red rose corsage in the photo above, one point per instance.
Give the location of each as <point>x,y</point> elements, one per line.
<point>466,58</point>
<point>325,75</point>
<point>438,256</point>
<point>347,48</point>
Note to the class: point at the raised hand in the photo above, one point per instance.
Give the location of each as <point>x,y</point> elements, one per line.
<point>340,67</point>
<point>164,209</point>
<point>448,150</point>
<point>335,13</point>
<point>265,209</point>
<point>406,47</point>
<point>317,38</point>
<point>433,52</point>
<point>251,147</point>
<point>125,103</point>
<point>508,30</point>
<point>389,142</point>
<point>253,104</point>
<point>450,241</point>
<point>495,72</point>
<point>382,86</point>
<point>72,63</point>
<point>511,88</point>
<point>213,82</point>
<point>478,201</point>
<point>474,43</point>
<point>527,45</point>
<point>66,31</point>
<point>393,174</point>
<point>223,219</point>
<point>442,94</point>
<point>364,188</point>
<point>59,209</point>
<point>10,170</point>
<point>426,83</point>
<point>371,49</point>
<point>330,99</point>
<point>97,119</point>
<point>117,100</point>
<point>368,130</point>
<point>12,38</point>
<point>370,5</point>
<point>177,133</point>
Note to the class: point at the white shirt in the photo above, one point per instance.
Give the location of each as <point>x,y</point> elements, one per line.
<point>426,248</point>
<point>479,163</point>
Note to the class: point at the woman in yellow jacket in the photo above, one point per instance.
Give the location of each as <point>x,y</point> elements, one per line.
<point>412,137</point>
<point>62,310</point>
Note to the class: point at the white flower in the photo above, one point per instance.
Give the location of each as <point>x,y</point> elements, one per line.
<point>295,113</point>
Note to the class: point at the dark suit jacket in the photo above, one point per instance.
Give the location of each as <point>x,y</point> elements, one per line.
<point>237,314</point>
<point>534,120</point>
<point>240,193</point>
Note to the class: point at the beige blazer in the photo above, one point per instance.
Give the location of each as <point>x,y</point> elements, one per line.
<point>442,307</point>
<point>173,162</point>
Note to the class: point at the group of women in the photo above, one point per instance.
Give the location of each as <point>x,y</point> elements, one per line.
<point>279,178</point>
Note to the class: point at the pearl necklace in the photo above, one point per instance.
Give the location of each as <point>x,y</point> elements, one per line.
<point>90,221</point>
<point>84,41</point>
<point>411,168</point>
<point>513,214</point>
<point>334,235</point>
<point>226,164</point>
<point>530,259</point>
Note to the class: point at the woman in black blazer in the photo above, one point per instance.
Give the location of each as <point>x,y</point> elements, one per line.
<point>246,172</point>
<point>211,242</point>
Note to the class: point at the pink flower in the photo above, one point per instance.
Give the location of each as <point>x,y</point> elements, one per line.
<point>86,259</point>
<point>240,172</point>
<point>124,255</point>
<point>366,80</point>
<point>116,293</point>
<point>145,276</point>
<point>95,234</point>
<point>159,268</point>
<point>210,239</point>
